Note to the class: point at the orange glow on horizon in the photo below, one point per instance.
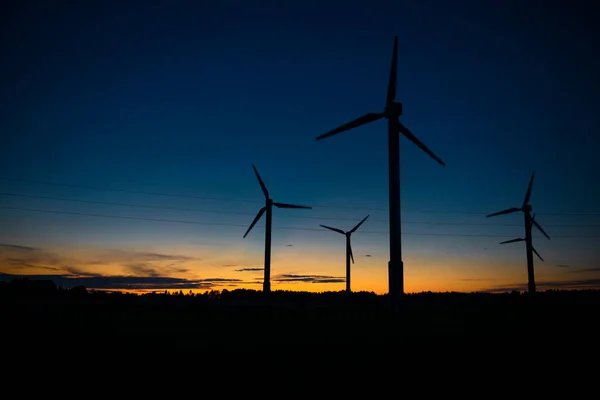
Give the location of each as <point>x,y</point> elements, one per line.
<point>209,269</point>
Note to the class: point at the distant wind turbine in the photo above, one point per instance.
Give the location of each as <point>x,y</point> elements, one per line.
<point>391,112</point>
<point>348,248</point>
<point>269,203</point>
<point>529,223</point>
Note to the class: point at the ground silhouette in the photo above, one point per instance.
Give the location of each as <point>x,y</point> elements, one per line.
<point>245,320</point>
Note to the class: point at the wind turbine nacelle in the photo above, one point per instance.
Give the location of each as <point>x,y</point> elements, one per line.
<point>393,109</point>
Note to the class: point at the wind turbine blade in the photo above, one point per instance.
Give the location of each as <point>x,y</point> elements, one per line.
<point>391,92</point>
<point>350,251</point>
<point>260,213</point>
<point>536,253</point>
<point>365,119</point>
<point>513,240</point>
<point>262,184</point>
<point>539,227</point>
<point>507,211</point>
<point>334,229</point>
<point>284,205</point>
<point>528,194</point>
<point>410,136</point>
<point>359,224</point>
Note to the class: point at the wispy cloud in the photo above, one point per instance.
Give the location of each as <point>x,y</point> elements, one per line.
<point>583,271</point>
<point>18,247</point>
<point>23,257</point>
<point>142,269</point>
<point>476,279</point>
<point>133,262</point>
<point>563,265</point>
<point>19,263</point>
<point>308,278</point>
<point>249,269</point>
<point>593,283</point>
<point>78,271</point>
<point>119,255</point>
<point>149,269</point>
<point>132,282</point>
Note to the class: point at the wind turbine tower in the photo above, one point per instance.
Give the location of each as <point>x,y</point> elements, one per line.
<point>349,254</point>
<point>392,112</point>
<point>529,223</point>
<point>269,203</point>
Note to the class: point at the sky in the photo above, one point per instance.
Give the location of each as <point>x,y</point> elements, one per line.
<point>129,131</point>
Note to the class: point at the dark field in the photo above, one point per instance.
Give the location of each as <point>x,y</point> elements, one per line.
<point>242,320</point>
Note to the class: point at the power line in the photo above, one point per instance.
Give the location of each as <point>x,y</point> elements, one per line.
<point>242,225</point>
<point>126,204</point>
<point>124,217</point>
<point>255,201</point>
<point>284,216</point>
<point>126,190</point>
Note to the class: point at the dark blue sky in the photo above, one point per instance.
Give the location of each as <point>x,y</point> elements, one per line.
<point>182,97</point>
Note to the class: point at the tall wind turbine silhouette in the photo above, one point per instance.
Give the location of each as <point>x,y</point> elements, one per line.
<point>529,223</point>
<point>349,254</point>
<point>392,112</point>
<point>269,203</point>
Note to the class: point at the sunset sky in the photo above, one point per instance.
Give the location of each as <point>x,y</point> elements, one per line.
<point>129,130</point>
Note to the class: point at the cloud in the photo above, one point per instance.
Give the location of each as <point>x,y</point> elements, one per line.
<point>179,270</point>
<point>308,278</point>
<point>23,257</point>
<point>106,256</point>
<point>18,247</point>
<point>249,269</point>
<point>580,284</point>
<point>220,280</point>
<point>149,269</point>
<point>476,279</point>
<point>142,269</point>
<point>583,271</point>
<point>77,271</point>
<point>33,258</point>
<point>367,255</point>
<point>142,256</point>
<point>562,265</point>
<point>136,263</point>
<point>20,263</point>
<point>131,282</point>
<point>289,245</point>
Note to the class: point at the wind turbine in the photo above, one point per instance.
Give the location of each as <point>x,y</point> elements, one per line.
<point>391,112</point>
<point>529,223</point>
<point>269,203</point>
<point>349,255</point>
